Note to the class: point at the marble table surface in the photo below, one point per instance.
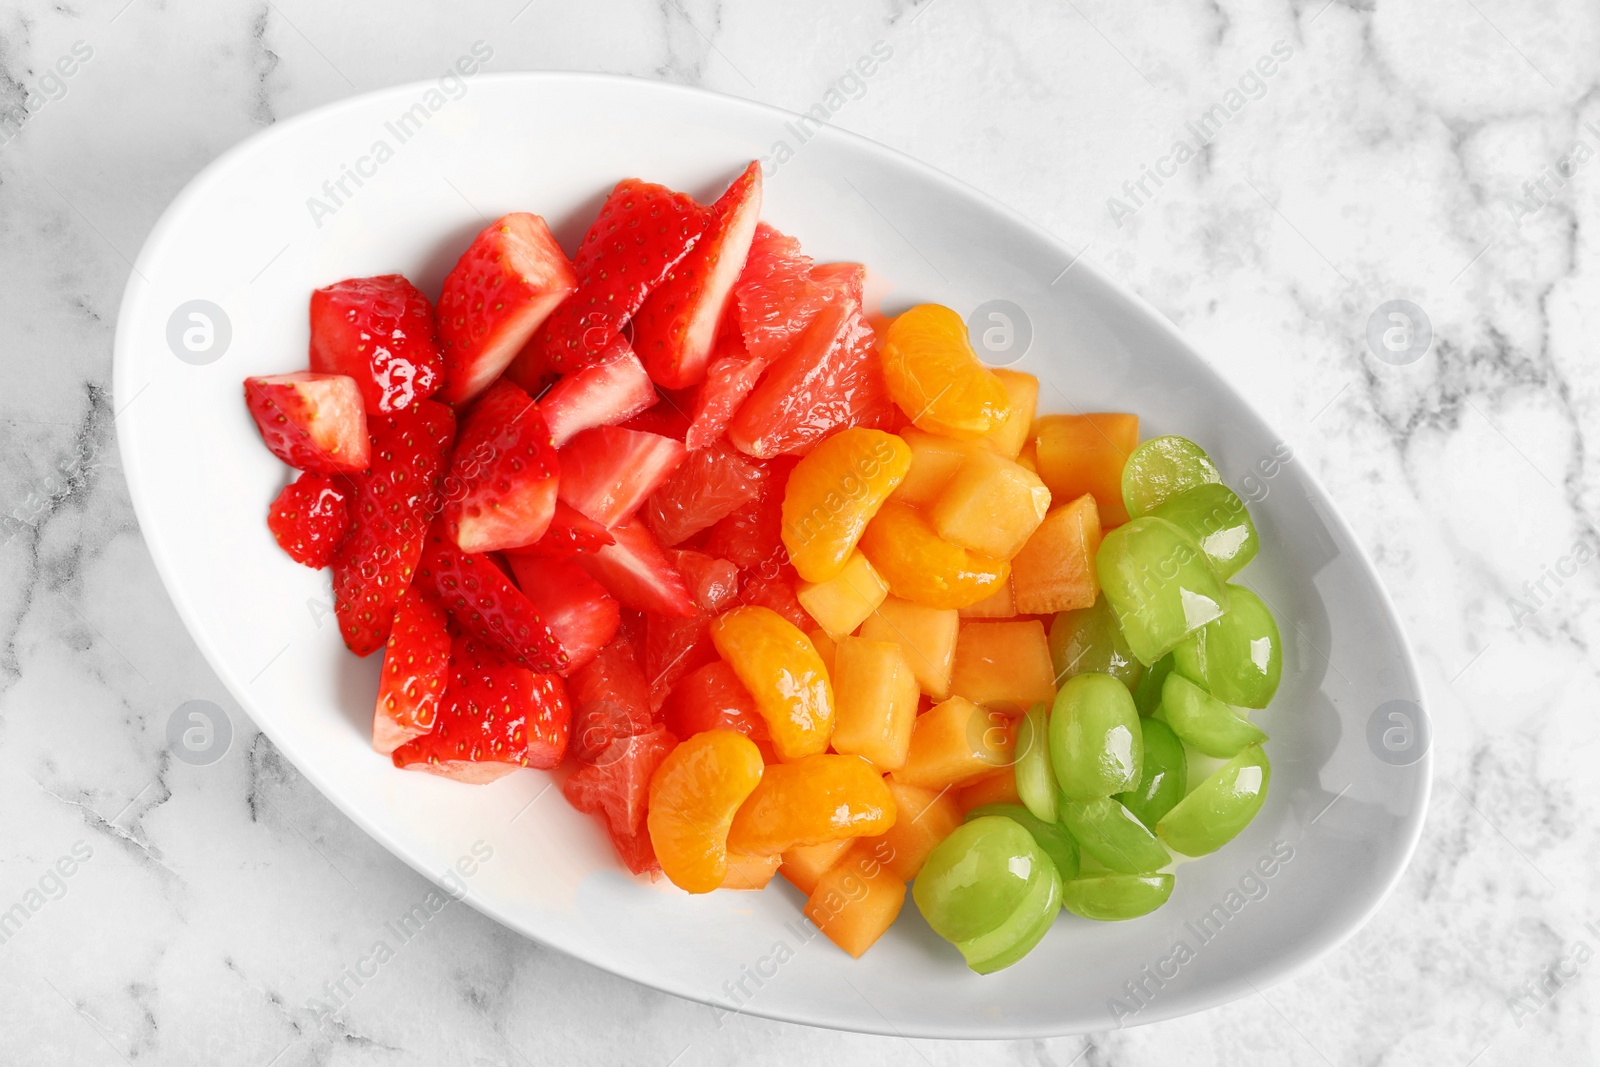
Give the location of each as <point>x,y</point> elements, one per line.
<point>1440,152</point>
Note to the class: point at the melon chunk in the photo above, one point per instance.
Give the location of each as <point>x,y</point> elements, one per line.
<point>998,788</point>
<point>844,601</point>
<point>856,901</point>
<point>1004,665</point>
<point>923,818</point>
<point>927,636</point>
<point>805,864</point>
<point>1000,604</point>
<point>955,744</point>
<point>1022,391</point>
<point>934,460</point>
<point>1080,454</point>
<point>875,701</point>
<point>1055,570</point>
<point>991,506</point>
<point>825,648</point>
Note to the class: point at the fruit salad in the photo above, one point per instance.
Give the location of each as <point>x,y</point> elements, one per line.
<point>779,586</point>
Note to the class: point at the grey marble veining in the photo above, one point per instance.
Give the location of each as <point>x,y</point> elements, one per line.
<point>1445,152</point>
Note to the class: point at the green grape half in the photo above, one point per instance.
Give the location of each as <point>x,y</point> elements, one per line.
<point>1238,658</point>
<point>1160,469</point>
<point>1114,836</point>
<point>1205,723</point>
<point>1057,843</point>
<point>1159,584</point>
<point>1089,641</point>
<point>1148,696</point>
<point>1036,781</point>
<point>1112,897</point>
<point>1218,521</point>
<point>1163,777</point>
<point>974,879</point>
<point>1219,807</point>
<point>1022,929</point>
<point>1095,744</point>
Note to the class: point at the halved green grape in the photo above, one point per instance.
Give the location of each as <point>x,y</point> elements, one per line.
<point>1114,836</point>
<point>1088,640</point>
<point>1147,698</point>
<point>1095,745</point>
<point>1159,584</point>
<point>1036,782</point>
<point>1218,521</point>
<point>1163,777</point>
<point>975,878</point>
<point>1219,807</point>
<point>1205,723</point>
<point>1237,658</point>
<point>1022,929</point>
<point>1112,897</point>
<point>1057,843</point>
<point>1160,469</point>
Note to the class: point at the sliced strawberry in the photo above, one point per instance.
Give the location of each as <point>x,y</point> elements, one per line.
<point>675,329</point>
<point>642,231</point>
<point>752,533</point>
<point>637,572</point>
<point>607,472</point>
<point>416,671</point>
<point>310,518</point>
<point>668,418</point>
<point>313,422</point>
<point>485,604</point>
<point>571,532</point>
<point>708,485</point>
<point>500,290</point>
<point>606,393</point>
<point>610,699</point>
<point>777,294</point>
<point>501,492</point>
<point>391,505</point>
<point>378,331</point>
<point>578,610</point>
<point>712,698</point>
<point>616,787</point>
<point>495,717</point>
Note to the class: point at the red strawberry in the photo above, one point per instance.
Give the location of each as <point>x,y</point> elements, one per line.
<point>669,417</point>
<point>712,698</point>
<point>378,331</point>
<point>617,786</point>
<point>501,491</point>
<point>416,669</point>
<point>578,610</point>
<point>391,506</point>
<point>641,232</point>
<point>708,485</point>
<point>570,533</point>
<point>500,290</point>
<point>311,421</point>
<point>310,518</point>
<point>610,699</point>
<point>638,573</point>
<point>606,393</point>
<point>494,718</point>
<point>777,295</point>
<point>675,329</point>
<point>607,472</point>
<point>485,604</point>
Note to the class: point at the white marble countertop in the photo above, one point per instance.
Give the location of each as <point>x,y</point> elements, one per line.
<point>1437,151</point>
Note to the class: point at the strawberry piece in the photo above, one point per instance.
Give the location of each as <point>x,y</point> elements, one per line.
<point>379,332</point>
<point>495,717</point>
<point>310,518</point>
<point>776,294</point>
<point>570,533</point>
<point>710,484</point>
<point>668,418</point>
<point>616,787</point>
<point>313,422</point>
<point>608,392</point>
<point>641,233</point>
<point>578,610</point>
<point>674,330</point>
<point>484,603</point>
<point>498,293</point>
<point>610,699</point>
<point>638,573</point>
<point>416,670</point>
<point>501,492</point>
<point>753,532</point>
<point>607,472</point>
<point>712,698</point>
<point>391,505</point>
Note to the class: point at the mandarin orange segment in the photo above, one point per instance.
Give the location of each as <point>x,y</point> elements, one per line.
<point>820,798</point>
<point>694,795</point>
<point>781,668</point>
<point>922,567</point>
<point>750,872</point>
<point>833,493</point>
<point>937,380</point>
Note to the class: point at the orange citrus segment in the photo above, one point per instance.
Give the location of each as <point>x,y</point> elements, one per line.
<point>693,797</point>
<point>833,493</point>
<point>820,798</point>
<point>922,567</point>
<point>781,668</point>
<point>937,380</point>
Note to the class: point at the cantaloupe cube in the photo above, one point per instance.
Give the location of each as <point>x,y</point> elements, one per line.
<point>854,907</point>
<point>1029,456</point>
<point>750,872</point>
<point>807,863</point>
<point>999,788</point>
<point>1000,604</point>
<point>933,460</point>
<point>1055,569</point>
<point>844,601</point>
<point>825,648</point>
<point>874,701</point>
<point>926,635</point>
<point>956,743</point>
<point>1080,454</point>
<point>923,818</point>
<point>991,505</point>
<point>1023,392</point>
<point>1004,665</point>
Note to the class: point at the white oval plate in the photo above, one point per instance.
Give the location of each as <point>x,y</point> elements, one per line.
<point>265,224</point>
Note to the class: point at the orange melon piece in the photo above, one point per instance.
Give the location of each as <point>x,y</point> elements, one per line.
<point>805,864</point>
<point>1079,454</point>
<point>875,701</point>
<point>923,818</point>
<point>1003,664</point>
<point>991,506</point>
<point>1029,456</point>
<point>926,635</point>
<point>1023,391</point>
<point>855,902</point>
<point>750,872</point>
<point>844,601</point>
<point>934,460</point>
<point>1055,569</point>
<point>825,648</point>
<point>998,788</point>
<point>954,744</point>
<point>1000,604</point>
